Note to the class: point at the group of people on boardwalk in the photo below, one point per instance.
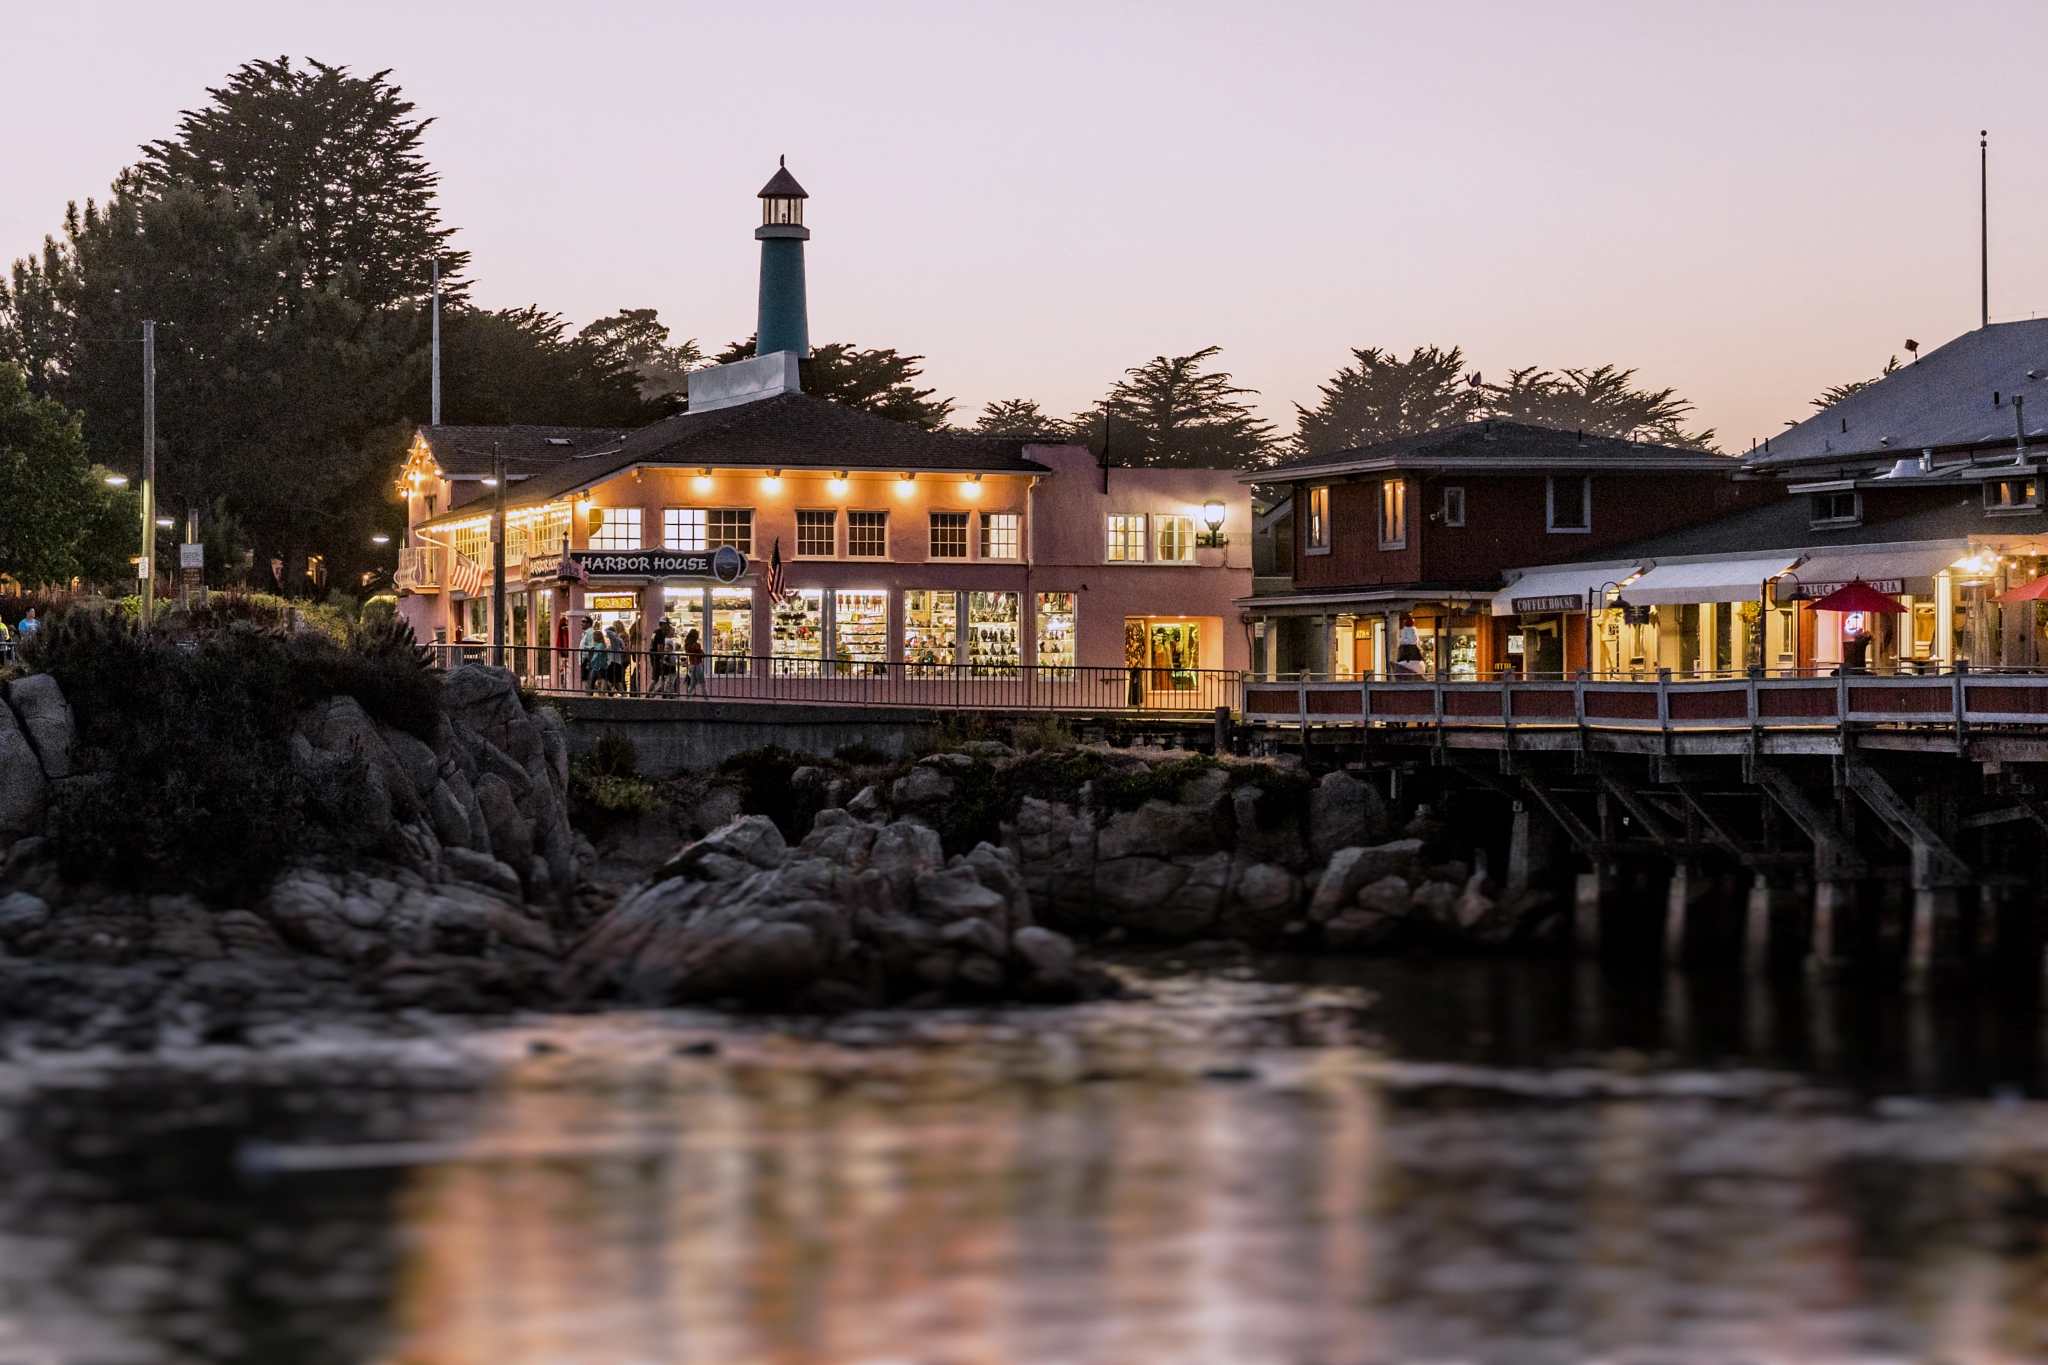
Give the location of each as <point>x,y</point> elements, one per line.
<point>612,667</point>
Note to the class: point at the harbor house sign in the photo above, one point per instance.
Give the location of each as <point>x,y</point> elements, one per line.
<point>724,564</point>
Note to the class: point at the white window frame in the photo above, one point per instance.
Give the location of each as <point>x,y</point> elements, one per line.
<point>999,530</point>
<point>684,528</point>
<point>1585,483</point>
<point>608,538</point>
<point>932,533</point>
<point>1124,531</point>
<point>883,553</point>
<point>801,513</point>
<point>1165,523</point>
<point>1315,517</point>
<point>1454,505</point>
<point>1393,514</point>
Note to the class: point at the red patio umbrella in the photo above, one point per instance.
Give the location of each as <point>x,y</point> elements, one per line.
<point>2026,592</point>
<point>1858,596</point>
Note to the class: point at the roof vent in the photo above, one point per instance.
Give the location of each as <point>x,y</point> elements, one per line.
<point>1907,469</point>
<point>559,441</point>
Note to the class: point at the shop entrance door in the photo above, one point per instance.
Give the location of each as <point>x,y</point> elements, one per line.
<point>1164,654</point>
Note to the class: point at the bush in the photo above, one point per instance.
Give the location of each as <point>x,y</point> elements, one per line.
<point>187,742</point>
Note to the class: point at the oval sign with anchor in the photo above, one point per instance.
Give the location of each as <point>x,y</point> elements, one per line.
<point>727,564</point>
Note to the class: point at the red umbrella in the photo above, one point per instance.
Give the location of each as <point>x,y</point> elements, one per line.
<point>1858,596</point>
<point>2026,592</point>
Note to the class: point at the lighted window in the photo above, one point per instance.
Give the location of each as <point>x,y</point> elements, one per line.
<point>2012,495</point>
<point>732,526</point>
<point>614,528</point>
<point>1316,531</point>
<point>999,534</point>
<point>1571,503</point>
<point>682,528</point>
<point>949,535</point>
<point>1842,508</point>
<point>1176,539</point>
<point>1454,507</point>
<point>1127,538</point>
<point>1056,634</point>
<point>1393,514</point>
<point>867,535</point>
<point>817,534</point>
<point>930,628</point>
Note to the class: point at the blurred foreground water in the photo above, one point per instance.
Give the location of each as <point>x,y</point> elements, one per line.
<point>1289,1162</point>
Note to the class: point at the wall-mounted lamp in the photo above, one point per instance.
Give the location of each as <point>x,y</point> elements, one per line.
<point>839,483</point>
<point>1212,517</point>
<point>971,488</point>
<point>702,482</point>
<point>773,481</point>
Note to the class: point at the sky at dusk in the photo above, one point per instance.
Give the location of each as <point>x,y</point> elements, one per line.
<point>1747,202</point>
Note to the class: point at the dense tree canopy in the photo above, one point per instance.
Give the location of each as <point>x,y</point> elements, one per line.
<point>521,365</point>
<point>1018,417</point>
<point>59,518</point>
<point>1382,397</point>
<point>1170,411</point>
<point>1600,401</point>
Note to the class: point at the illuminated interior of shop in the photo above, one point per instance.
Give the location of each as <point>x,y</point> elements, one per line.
<point>799,629</point>
<point>931,621</point>
<point>860,630</point>
<point>1056,633</point>
<point>994,642</point>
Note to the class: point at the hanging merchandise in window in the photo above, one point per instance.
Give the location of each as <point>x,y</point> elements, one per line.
<point>1056,634</point>
<point>732,630</point>
<point>860,631</point>
<point>799,626</point>
<point>1174,652</point>
<point>930,628</point>
<point>993,648</point>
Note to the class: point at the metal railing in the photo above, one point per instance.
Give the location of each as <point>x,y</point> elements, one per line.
<point>848,682</point>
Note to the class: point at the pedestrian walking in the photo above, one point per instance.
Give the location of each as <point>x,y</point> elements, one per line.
<point>592,648</point>
<point>693,660</point>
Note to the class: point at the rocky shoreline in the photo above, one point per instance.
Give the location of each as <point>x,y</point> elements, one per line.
<point>978,874</point>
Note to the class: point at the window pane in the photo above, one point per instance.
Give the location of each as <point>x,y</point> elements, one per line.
<point>1176,539</point>
<point>817,534</point>
<point>799,625</point>
<point>1127,538</point>
<point>992,641</point>
<point>867,535</point>
<point>683,528</point>
<point>732,629</point>
<point>860,629</point>
<point>619,528</point>
<point>732,526</point>
<point>949,535</point>
<point>1393,512</point>
<point>930,626</point>
<point>1056,633</point>
<point>1318,518</point>
<point>999,534</point>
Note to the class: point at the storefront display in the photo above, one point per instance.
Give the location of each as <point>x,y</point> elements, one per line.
<point>606,610</point>
<point>931,625</point>
<point>732,630</point>
<point>1172,652</point>
<point>860,631</point>
<point>993,644</point>
<point>1056,634</point>
<point>1464,648</point>
<point>799,631</point>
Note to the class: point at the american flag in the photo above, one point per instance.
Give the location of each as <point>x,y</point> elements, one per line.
<point>777,589</point>
<point>465,575</point>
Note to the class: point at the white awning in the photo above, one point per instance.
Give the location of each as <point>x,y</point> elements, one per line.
<point>1557,589</point>
<point>1893,569</point>
<point>1713,580</point>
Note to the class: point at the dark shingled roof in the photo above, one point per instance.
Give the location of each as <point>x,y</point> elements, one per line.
<point>789,431</point>
<point>467,450</point>
<point>1786,524</point>
<point>1501,446</point>
<point>1943,402</point>
<point>782,186</point>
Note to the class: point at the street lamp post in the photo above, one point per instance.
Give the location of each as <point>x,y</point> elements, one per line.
<point>498,560</point>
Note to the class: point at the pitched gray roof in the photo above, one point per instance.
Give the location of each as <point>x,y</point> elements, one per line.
<point>467,450</point>
<point>790,431</point>
<point>782,185</point>
<point>1941,402</point>
<point>1500,446</point>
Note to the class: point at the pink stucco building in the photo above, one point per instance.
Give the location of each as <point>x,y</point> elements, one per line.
<point>898,545</point>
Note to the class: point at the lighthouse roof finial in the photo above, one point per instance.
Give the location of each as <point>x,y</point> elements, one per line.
<point>783,185</point>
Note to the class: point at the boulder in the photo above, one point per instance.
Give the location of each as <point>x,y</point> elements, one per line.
<point>1265,832</point>
<point>1189,911</point>
<point>1132,887</point>
<point>866,802</point>
<point>422,766</point>
<point>339,725</point>
<point>20,912</point>
<point>24,792</point>
<point>46,718</point>
<point>904,852</point>
<point>1389,895</point>
<point>1165,829</point>
<point>449,814</point>
<point>921,784</point>
<point>1360,929</point>
<point>478,837</point>
<point>1262,899</point>
<point>1436,903</point>
<point>976,934</point>
<point>996,869</point>
<point>1049,953</point>
<point>1352,868</point>
<point>482,869</point>
<point>511,833</point>
<point>956,893</point>
<point>1344,813</point>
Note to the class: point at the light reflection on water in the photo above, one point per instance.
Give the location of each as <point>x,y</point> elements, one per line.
<point>1168,1182</point>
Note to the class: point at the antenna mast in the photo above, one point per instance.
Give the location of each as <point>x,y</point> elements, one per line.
<point>1984,224</point>
<point>437,341</point>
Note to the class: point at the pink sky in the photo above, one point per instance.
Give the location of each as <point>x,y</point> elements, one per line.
<point>1746,201</point>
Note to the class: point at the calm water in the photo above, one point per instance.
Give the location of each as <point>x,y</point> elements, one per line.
<point>1523,1164</point>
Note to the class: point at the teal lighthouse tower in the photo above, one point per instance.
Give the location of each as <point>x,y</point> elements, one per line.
<point>785,323</point>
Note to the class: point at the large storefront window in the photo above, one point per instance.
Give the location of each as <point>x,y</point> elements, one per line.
<point>994,648</point>
<point>799,630</point>
<point>931,627</point>
<point>617,618</point>
<point>860,630</point>
<point>1162,655</point>
<point>732,629</point>
<point>684,608</point>
<point>1056,634</point>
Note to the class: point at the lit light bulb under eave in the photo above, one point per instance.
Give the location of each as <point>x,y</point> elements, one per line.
<point>970,489</point>
<point>702,483</point>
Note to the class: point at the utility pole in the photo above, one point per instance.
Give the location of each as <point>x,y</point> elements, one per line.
<point>145,571</point>
<point>498,561</point>
<point>437,342</point>
<point>1984,222</point>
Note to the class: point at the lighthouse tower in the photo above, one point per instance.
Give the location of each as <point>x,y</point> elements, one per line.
<point>785,323</point>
